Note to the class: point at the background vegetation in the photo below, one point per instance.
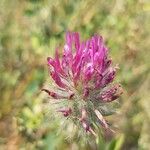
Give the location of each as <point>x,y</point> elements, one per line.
<point>29,32</point>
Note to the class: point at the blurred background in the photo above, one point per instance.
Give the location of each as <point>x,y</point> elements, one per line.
<point>29,32</point>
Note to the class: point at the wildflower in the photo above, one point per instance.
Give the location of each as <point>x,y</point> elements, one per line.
<point>83,79</point>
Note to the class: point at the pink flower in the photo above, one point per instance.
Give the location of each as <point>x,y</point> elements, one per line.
<point>83,76</point>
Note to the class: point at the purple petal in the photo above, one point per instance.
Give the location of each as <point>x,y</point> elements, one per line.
<point>57,79</point>
<point>58,66</point>
<point>77,41</point>
<point>108,77</point>
<point>52,94</point>
<point>110,94</point>
<point>66,111</point>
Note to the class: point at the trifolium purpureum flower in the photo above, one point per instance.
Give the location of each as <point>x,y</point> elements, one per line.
<point>83,82</point>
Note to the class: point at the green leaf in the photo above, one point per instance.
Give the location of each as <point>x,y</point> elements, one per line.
<point>119,142</point>
<point>111,145</point>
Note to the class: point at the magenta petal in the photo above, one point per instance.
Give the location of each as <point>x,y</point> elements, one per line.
<point>57,79</point>
<point>58,66</point>
<point>108,76</point>
<point>51,61</point>
<point>85,92</point>
<point>69,39</point>
<point>52,94</point>
<point>66,111</point>
<point>77,41</point>
<point>67,58</point>
<point>86,126</point>
<point>110,94</point>
<point>88,72</point>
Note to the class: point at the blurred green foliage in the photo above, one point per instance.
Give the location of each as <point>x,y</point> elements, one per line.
<point>29,32</point>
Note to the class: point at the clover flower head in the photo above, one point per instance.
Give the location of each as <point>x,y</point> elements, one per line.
<point>83,84</point>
